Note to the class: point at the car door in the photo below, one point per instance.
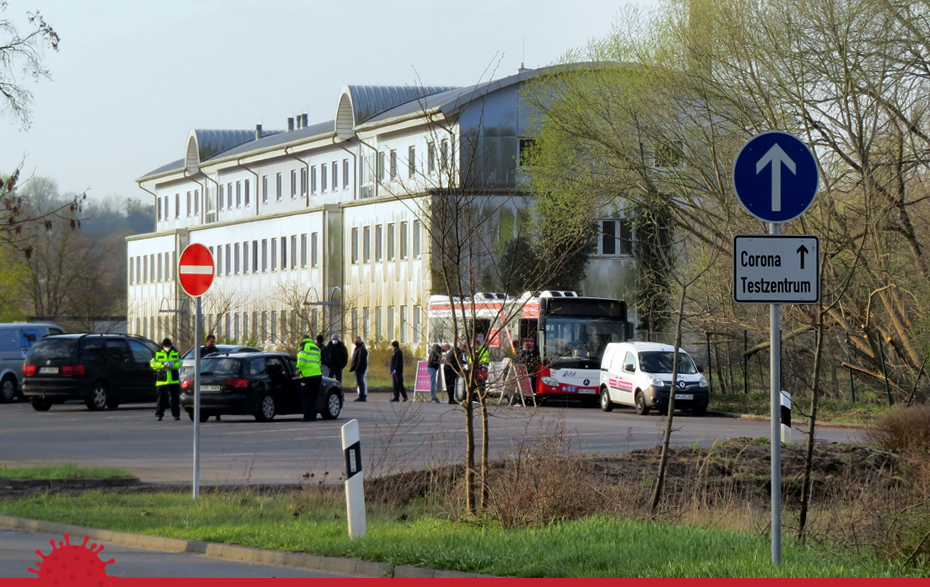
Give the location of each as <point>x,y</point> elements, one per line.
<point>119,369</point>
<point>142,374</point>
<point>290,391</point>
<point>626,375</point>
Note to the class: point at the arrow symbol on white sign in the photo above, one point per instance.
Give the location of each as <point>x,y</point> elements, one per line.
<point>776,156</point>
<point>802,250</point>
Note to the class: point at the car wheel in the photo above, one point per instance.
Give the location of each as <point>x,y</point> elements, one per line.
<point>190,414</point>
<point>266,409</point>
<point>40,404</point>
<point>112,403</point>
<point>699,412</point>
<point>332,406</point>
<point>7,389</point>
<point>641,408</point>
<point>606,404</point>
<point>98,397</point>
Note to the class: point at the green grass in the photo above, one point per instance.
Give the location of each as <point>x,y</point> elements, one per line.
<point>62,471</point>
<point>829,410</point>
<point>598,546</point>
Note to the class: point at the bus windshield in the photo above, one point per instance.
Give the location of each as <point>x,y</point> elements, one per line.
<point>579,342</point>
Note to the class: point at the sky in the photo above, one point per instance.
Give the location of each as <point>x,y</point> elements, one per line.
<point>131,79</point>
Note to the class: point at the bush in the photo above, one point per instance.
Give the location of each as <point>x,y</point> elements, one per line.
<point>904,429</point>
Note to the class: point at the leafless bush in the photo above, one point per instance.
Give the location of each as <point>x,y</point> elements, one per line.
<point>906,429</point>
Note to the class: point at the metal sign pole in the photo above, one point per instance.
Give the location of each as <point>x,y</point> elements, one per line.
<point>197,402</point>
<point>775,413</point>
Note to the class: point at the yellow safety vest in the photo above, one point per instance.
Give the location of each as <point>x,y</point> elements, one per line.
<point>308,359</point>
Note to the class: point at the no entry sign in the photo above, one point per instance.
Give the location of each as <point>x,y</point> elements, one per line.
<point>195,270</point>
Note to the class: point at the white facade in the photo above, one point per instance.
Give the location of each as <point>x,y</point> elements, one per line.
<point>321,213</point>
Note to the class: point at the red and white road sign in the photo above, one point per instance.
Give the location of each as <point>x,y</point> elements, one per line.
<point>195,269</point>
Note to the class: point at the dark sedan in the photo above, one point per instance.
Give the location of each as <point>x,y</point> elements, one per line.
<point>260,384</point>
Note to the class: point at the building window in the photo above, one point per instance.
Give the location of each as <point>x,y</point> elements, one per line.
<point>245,326</point>
<point>294,251</point>
<point>278,187</point>
<point>245,257</point>
<point>229,195</point>
<point>403,324</point>
<point>390,322</point>
<point>393,164</point>
<point>236,266</point>
<point>354,246</point>
<point>264,255</point>
<point>158,267</point>
<point>247,194</point>
<point>444,155</point>
<point>366,322</point>
<point>303,181</point>
<point>159,209</point>
<point>379,233</point>
<point>345,174</point>
<point>335,170</point>
<point>390,242</point>
<point>283,253</point>
<point>274,325</point>
<point>219,260</point>
<point>313,185</point>
<point>323,174</point>
<point>366,244</point>
<point>222,197</point>
<point>167,214</point>
<point>616,238</point>
<point>196,202</point>
<point>293,183</point>
<point>264,189</point>
<point>303,250</point>
<point>190,204</point>
<point>274,254</point>
<point>411,161</point>
<point>378,331</point>
<point>379,171</point>
<point>228,259</point>
<point>255,256</point>
<point>132,266</point>
<point>416,239</point>
<point>431,157</point>
<point>416,324</point>
<point>403,240</point>
<point>314,250</point>
<point>525,149</point>
<point>177,205</point>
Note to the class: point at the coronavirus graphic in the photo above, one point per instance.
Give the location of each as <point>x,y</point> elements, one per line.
<point>72,565</point>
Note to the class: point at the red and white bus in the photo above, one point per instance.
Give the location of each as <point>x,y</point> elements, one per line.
<point>570,332</point>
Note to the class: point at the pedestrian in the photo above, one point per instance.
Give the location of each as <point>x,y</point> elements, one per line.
<point>311,375</point>
<point>432,367</point>
<point>529,356</point>
<point>167,363</point>
<point>397,372</point>
<point>210,347</point>
<point>360,367</point>
<point>337,356</point>
<point>324,359</point>
<point>450,370</point>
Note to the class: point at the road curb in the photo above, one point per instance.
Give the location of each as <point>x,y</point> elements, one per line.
<point>235,552</point>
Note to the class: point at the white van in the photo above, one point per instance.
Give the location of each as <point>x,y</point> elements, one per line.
<point>15,341</point>
<point>639,374</point>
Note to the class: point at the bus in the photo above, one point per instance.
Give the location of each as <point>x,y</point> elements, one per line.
<point>569,331</point>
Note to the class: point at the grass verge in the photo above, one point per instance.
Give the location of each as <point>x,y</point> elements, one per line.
<point>62,471</point>
<point>829,410</point>
<point>313,521</point>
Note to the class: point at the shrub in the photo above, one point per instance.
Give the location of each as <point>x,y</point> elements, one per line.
<point>903,429</point>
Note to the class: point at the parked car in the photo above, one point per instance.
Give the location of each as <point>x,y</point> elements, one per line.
<point>187,359</point>
<point>260,384</point>
<point>104,370</point>
<point>639,374</point>
<point>15,341</point>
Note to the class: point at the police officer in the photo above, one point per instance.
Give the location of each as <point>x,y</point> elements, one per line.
<point>166,364</point>
<point>311,375</point>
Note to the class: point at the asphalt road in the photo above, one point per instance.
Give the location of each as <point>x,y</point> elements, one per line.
<point>18,555</point>
<point>394,436</point>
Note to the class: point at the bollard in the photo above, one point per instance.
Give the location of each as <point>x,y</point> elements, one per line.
<point>785,417</point>
<point>355,492</point>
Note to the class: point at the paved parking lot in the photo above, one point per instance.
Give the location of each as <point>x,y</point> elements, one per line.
<point>394,436</point>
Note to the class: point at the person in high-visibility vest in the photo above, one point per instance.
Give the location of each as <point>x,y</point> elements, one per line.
<point>167,363</point>
<point>311,376</point>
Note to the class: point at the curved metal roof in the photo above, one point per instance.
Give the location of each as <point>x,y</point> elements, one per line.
<point>370,101</point>
<point>212,142</point>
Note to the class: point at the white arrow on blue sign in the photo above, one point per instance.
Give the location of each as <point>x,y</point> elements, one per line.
<point>775,176</point>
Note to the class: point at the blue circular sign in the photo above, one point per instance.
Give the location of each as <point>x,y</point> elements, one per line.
<point>775,176</point>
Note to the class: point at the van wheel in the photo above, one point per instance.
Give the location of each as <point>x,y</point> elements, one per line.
<point>606,404</point>
<point>266,409</point>
<point>641,408</point>
<point>699,412</point>
<point>98,397</point>
<point>40,404</point>
<point>7,389</point>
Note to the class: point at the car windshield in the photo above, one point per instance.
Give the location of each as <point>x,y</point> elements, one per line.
<point>53,349</point>
<point>220,367</point>
<point>661,362</point>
